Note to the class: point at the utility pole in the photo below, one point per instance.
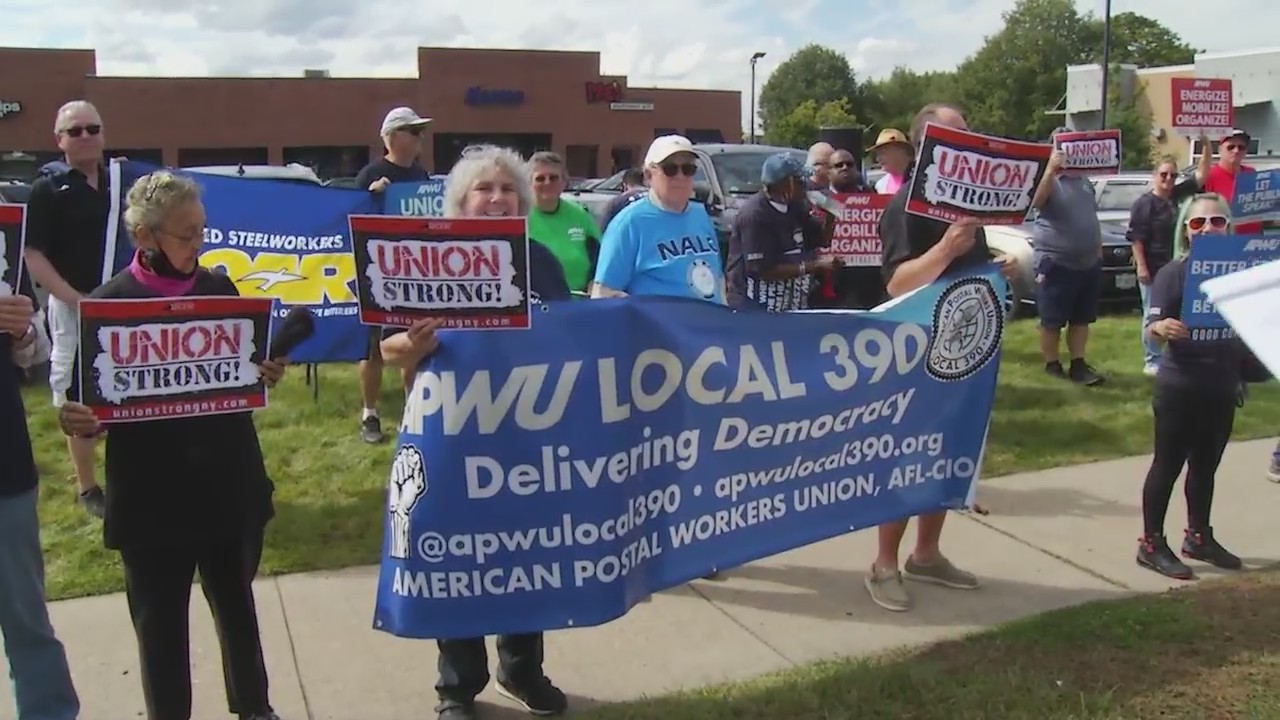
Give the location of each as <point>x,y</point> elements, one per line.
<point>754,58</point>
<point>1106,61</point>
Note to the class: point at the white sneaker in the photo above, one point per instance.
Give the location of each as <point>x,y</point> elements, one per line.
<point>1150,370</point>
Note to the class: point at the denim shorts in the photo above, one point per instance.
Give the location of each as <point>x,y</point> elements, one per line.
<point>1065,295</point>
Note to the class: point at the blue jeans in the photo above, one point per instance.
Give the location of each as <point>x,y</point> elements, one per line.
<point>37,662</point>
<point>1151,348</point>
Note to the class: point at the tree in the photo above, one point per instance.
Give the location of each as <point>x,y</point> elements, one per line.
<point>1129,115</point>
<point>800,127</point>
<point>1021,71</point>
<point>814,73</point>
<point>895,100</point>
<point>1139,40</point>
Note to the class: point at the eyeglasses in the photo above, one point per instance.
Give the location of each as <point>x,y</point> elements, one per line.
<point>78,130</point>
<point>540,179</point>
<point>1198,222</point>
<point>686,169</point>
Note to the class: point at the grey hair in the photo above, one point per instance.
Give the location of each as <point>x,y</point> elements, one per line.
<point>545,157</point>
<point>70,107</point>
<point>154,196</point>
<point>475,161</point>
<point>927,114</point>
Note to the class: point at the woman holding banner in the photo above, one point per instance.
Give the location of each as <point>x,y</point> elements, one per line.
<point>1197,389</point>
<point>155,468</point>
<point>488,181</point>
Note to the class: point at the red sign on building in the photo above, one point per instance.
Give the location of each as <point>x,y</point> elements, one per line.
<point>1201,106</point>
<point>604,92</point>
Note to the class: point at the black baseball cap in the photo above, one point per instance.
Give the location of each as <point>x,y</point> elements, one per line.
<point>1236,134</point>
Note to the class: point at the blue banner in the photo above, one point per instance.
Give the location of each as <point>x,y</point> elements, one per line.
<point>1257,196</point>
<point>277,239</point>
<point>556,477</point>
<point>419,199</point>
<point>1210,257</point>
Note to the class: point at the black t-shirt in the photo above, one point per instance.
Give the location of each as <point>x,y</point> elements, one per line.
<point>18,466</point>
<point>1211,365</point>
<point>384,168</point>
<point>905,237</point>
<point>1151,222</point>
<point>616,204</point>
<point>67,223</point>
<point>762,238</point>
<point>183,481</point>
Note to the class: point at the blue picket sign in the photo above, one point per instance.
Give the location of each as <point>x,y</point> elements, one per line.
<point>556,477</point>
<point>283,240</point>
<point>1210,257</point>
<point>418,199</point>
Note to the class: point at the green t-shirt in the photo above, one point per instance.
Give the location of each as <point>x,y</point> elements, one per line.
<point>570,233</point>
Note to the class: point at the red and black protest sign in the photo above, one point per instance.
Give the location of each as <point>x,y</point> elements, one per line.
<point>856,238</point>
<point>172,357</point>
<point>13,223</point>
<point>961,174</point>
<point>1201,106</point>
<point>473,273</point>
<point>1089,152</point>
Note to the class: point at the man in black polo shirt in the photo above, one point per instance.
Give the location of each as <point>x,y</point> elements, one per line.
<point>773,240</point>
<point>402,130</point>
<point>632,189</point>
<point>915,252</point>
<point>65,246</point>
<point>37,660</point>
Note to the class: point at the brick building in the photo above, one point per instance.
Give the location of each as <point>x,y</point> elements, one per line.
<point>527,99</point>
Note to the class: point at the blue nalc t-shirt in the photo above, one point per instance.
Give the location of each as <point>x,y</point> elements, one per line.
<point>650,251</point>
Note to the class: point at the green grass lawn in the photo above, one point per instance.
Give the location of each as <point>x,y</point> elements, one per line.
<point>1209,651</point>
<point>329,484</point>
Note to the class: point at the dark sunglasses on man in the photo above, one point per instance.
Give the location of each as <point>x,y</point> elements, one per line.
<point>76,131</point>
<point>686,169</point>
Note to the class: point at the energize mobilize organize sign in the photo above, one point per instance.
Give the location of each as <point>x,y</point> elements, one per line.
<point>558,476</point>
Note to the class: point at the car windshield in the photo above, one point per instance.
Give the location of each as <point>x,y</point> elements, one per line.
<point>739,172</point>
<point>1120,196</point>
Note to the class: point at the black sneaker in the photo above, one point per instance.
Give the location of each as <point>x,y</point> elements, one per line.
<point>540,698</point>
<point>371,429</point>
<point>93,501</point>
<point>268,715</point>
<point>455,711</point>
<point>1054,369</point>
<point>1154,554</point>
<point>1201,545</point>
<point>1083,374</point>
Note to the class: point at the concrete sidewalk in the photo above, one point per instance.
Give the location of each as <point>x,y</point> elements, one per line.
<point>1053,539</point>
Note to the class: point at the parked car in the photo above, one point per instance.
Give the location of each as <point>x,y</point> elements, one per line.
<point>1116,195</point>
<point>14,191</point>
<point>290,172</point>
<point>1119,277</point>
<point>348,183</point>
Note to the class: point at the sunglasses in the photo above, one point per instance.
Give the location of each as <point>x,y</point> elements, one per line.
<point>686,169</point>
<point>1198,223</point>
<point>1167,174</point>
<point>78,130</point>
<point>540,179</point>
<point>842,165</point>
<point>1233,147</point>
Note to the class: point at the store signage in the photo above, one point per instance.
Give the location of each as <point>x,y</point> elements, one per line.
<point>634,106</point>
<point>480,96</point>
<point>610,92</point>
<point>10,107</point>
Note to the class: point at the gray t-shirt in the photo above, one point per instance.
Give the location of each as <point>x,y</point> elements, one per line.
<point>1067,230</point>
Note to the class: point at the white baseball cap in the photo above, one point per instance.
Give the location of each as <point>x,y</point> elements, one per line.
<point>665,146</point>
<point>400,118</point>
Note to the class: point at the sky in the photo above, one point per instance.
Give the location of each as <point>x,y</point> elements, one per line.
<point>710,47</point>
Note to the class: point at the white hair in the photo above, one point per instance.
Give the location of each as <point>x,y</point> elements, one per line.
<point>819,149</point>
<point>477,160</point>
<point>71,107</point>
<point>154,196</point>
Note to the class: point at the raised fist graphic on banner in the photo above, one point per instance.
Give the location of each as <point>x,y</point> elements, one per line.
<point>408,483</point>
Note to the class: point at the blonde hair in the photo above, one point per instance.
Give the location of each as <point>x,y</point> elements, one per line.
<point>1181,238</point>
<point>477,160</point>
<point>154,196</point>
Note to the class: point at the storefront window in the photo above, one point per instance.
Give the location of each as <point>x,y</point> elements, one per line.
<point>196,157</point>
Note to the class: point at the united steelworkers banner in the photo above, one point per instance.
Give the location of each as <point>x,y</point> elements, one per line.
<point>13,222</point>
<point>556,477</point>
<point>172,357</point>
<point>1089,152</point>
<point>274,239</point>
<point>962,174</point>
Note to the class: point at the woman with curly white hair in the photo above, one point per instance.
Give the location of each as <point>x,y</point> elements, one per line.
<point>488,181</point>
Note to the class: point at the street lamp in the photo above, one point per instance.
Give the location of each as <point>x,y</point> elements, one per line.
<point>754,59</point>
<point>1106,61</point>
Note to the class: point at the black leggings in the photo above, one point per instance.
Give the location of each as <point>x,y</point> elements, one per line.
<point>1192,427</point>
